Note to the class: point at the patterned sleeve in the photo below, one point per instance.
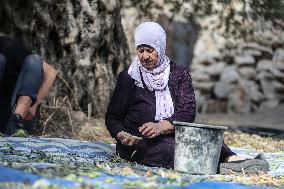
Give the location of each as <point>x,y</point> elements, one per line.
<point>184,104</point>
<point>117,108</point>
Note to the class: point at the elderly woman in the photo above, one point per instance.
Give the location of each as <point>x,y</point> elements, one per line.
<point>151,94</point>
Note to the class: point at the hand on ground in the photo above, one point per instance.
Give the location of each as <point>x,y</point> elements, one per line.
<point>31,113</point>
<point>128,139</point>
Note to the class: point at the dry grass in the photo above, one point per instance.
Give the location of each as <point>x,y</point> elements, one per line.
<point>261,179</point>
<point>94,130</point>
<point>58,119</point>
<point>253,141</point>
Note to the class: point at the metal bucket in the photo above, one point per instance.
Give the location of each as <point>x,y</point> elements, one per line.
<point>197,147</point>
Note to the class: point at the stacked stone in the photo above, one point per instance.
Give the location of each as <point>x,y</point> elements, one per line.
<point>245,78</point>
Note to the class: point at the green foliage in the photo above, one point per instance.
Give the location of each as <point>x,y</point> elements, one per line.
<point>21,133</point>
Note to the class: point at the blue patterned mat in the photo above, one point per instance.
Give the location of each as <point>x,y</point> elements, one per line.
<point>276,160</point>
<point>72,163</point>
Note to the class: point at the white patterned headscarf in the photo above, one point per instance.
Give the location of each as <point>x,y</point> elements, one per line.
<point>152,34</point>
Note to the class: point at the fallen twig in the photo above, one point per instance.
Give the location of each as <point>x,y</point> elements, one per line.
<point>46,121</point>
<point>70,120</point>
<point>72,92</point>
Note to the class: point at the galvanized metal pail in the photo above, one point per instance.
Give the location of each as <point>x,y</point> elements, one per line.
<point>197,147</point>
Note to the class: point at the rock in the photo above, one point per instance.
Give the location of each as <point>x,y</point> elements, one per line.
<point>265,83</point>
<point>215,69</point>
<point>269,104</point>
<point>206,60</point>
<point>244,59</point>
<point>264,65</point>
<point>204,86</point>
<point>214,106</point>
<point>272,67</point>
<point>238,101</point>
<point>267,35</point>
<point>199,75</point>
<point>253,52</point>
<point>279,65</point>
<point>278,74</point>
<point>278,59</point>
<point>230,74</point>
<point>278,55</point>
<point>196,66</point>
<point>264,74</point>
<point>279,87</point>
<point>206,47</point>
<point>252,90</point>
<point>222,89</point>
<point>229,54</point>
<point>247,72</point>
<point>266,51</point>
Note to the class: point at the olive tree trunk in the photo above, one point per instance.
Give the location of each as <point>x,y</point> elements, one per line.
<point>83,39</point>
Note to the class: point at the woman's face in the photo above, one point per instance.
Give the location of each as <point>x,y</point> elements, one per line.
<point>148,56</point>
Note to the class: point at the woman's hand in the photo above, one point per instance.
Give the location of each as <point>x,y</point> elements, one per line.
<point>128,139</point>
<point>151,130</point>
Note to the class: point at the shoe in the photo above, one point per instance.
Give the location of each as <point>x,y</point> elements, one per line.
<point>15,125</point>
<point>249,166</point>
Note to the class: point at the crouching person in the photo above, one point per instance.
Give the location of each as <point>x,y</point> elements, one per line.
<point>25,80</point>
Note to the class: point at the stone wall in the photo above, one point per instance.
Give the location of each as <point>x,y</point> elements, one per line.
<point>239,76</point>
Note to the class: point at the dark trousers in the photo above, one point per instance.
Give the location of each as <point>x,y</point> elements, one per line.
<point>158,152</point>
<point>14,84</point>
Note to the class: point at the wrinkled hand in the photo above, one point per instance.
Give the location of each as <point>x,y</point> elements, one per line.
<point>151,130</point>
<point>31,113</point>
<point>128,139</point>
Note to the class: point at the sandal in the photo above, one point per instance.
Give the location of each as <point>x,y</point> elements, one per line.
<point>248,166</point>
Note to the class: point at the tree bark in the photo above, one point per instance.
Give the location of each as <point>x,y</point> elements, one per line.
<point>83,39</point>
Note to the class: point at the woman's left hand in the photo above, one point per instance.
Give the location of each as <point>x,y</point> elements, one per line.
<point>150,129</point>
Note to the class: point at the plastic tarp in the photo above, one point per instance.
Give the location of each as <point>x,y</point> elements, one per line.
<point>18,156</point>
<point>13,175</point>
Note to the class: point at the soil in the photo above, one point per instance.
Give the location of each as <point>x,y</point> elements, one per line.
<point>269,121</point>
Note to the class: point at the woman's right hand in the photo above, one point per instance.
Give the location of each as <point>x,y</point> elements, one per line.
<point>128,139</point>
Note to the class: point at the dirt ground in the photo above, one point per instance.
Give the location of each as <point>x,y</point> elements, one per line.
<point>268,121</point>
